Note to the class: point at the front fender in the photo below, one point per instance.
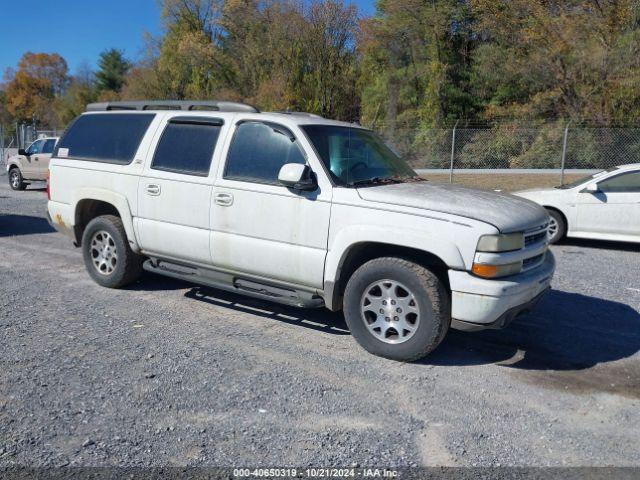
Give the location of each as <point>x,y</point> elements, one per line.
<point>120,202</point>
<point>351,236</point>
<point>14,162</point>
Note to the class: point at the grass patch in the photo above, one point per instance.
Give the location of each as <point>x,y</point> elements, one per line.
<point>508,182</point>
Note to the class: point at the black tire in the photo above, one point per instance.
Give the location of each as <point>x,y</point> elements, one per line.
<point>16,181</point>
<point>430,295</point>
<point>561,226</point>
<point>127,266</point>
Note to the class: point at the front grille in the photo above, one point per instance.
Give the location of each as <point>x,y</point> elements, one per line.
<point>532,262</point>
<point>534,238</point>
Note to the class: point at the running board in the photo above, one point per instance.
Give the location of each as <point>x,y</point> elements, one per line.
<point>234,283</point>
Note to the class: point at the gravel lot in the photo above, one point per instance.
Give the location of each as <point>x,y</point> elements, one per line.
<point>167,373</point>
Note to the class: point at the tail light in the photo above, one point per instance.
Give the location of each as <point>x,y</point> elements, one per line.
<point>48,185</point>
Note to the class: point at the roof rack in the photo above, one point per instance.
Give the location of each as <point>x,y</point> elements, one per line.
<point>213,105</point>
<point>300,114</point>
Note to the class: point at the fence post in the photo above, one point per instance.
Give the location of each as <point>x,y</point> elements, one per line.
<point>453,151</point>
<point>564,153</point>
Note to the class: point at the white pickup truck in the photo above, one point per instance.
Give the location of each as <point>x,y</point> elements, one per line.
<point>297,209</point>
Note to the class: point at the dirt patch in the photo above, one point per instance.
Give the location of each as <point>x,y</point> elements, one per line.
<point>621,379</point>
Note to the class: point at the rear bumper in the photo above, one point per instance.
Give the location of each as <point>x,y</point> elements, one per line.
<point>60,217</point>
<point>478,303</point>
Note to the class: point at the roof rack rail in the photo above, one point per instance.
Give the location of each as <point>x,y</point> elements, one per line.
<point>212,105</point>
<point>300,114</point>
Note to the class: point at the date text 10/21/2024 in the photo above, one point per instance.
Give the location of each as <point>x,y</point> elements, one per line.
<point>316,472</point>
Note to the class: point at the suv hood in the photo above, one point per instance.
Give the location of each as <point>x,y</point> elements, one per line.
<point>505,212</point>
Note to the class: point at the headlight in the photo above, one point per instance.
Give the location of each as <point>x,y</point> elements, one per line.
<point>495,271</point>
<point>501,243</point>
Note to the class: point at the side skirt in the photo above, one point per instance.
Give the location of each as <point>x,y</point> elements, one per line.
<point>231,282</point>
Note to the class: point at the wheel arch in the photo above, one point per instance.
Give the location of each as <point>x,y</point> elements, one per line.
<point>89,205</point>
<point>558,210</point>
<point>360,253</point>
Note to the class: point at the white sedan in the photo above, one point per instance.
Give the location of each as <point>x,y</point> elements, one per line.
<point>604,206</point>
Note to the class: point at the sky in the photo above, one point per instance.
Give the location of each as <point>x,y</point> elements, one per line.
<point>80,29</point>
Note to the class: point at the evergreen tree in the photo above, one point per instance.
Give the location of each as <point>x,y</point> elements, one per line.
<point>112,69</point>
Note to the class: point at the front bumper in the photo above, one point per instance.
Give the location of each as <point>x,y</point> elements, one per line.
<point>478,303</point>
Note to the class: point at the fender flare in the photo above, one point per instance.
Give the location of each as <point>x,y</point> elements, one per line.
<point>354,235</point>
<point>120,203</point>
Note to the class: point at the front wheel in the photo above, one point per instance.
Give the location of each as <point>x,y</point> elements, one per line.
<point>107,255</point>
<point>397,309</point>
<point>557,226</point>
<point>16,182</point>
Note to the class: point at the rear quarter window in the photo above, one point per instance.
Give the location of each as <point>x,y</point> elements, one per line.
<point>110,138</point>
<point>187,146</point>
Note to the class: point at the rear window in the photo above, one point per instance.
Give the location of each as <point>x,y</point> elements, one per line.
<point>111,138</point>
<point>187,146</point>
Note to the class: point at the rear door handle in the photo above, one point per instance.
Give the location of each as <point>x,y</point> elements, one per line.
<point>153,189</point>
<point>224,199</point>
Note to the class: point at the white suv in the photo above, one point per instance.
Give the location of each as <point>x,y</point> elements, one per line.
<point>296,209</point>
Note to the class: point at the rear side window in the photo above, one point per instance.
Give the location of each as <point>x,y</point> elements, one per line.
<point>187,146</point>
<point>111,138</point>
<point>48,146</point>
<point>258,152</point>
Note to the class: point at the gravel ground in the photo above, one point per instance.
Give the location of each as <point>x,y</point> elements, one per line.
<point>167,373</point>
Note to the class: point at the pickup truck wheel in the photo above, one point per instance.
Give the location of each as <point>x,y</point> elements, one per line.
<point>557,226</point>
<point>107,255</point>
<point>396,309</point>
<point>16,182</point>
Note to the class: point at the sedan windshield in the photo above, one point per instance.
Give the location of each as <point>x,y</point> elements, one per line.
<point>355,156</point>
<point>582,180</point>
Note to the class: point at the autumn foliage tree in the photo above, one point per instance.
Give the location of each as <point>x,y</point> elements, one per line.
<point>411,66</point>
<point>33,87</point>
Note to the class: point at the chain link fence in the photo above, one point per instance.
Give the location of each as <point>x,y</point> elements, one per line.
<point>511,157</point>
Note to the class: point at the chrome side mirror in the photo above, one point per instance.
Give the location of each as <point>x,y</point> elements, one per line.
<point>297,176</point>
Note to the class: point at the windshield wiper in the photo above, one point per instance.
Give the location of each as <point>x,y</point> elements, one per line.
<point>392,179</point>
<point>375,180</point>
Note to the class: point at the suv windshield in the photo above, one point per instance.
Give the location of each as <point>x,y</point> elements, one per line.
<point>355,156</point>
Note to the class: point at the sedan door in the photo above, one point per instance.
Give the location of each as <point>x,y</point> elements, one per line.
<point>174,193</point>
<point>614,209</point>
<point>261,227</point>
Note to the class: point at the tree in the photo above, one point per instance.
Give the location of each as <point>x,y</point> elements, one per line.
<point>31,90</point>
<point>112,69</point>
<point>575,59</point>
<point>81,91</point>
<point>415,63</point>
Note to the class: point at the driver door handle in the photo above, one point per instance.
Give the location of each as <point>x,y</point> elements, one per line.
<point>153,190</point>
<point>224,199</point>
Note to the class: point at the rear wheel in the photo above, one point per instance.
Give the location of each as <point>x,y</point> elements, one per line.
<point>557,226</point>
<point>396,308</point>
<point>15,179</point>
<point>107,255</point>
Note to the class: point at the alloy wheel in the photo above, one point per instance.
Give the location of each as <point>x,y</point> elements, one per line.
<point>390,311</point>
<point>104,254</point>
